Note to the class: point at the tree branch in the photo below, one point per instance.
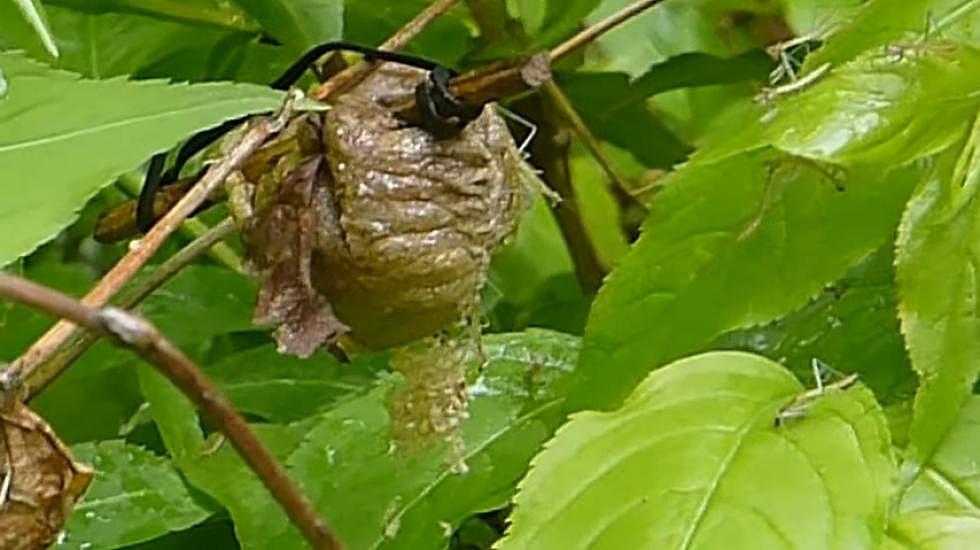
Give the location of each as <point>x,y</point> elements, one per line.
<point>79,341</point>
<point>593,32</point>
<point>141,337</point>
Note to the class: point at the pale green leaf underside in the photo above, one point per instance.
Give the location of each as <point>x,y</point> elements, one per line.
<point>693,460</point>
<point>935,530</point>
<point>64,138</point>
<point>136,496</point>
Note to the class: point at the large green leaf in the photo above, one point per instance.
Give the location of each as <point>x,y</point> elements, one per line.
<point>342,458</point>
<point>694,459</point>
<point>936,260</point>
<point>25,22</point>
<point>300,24</point>
<point>729,244</point>
<point>136,496</point>
<point>282,388</point>
<point>61,148</point>
<point>954,529</point>
<point>884,107</point>
<point>951,478</point>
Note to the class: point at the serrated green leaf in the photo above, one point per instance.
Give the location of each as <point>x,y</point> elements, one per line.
<point>726,245</point>
<point>935,530</point>
<point>342,458</point>
<point>951,478</point>
<point>25,21</point>
<point>63,149</point>
<point>884,107</point>
<point>878,24</point>
<point>936,260</point>
<point>136,496</point>
<point>850,327</point>
<point>693,460</point>
<point>300,24</point>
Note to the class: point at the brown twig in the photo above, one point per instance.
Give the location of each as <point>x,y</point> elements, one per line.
<point>607,24</point>
<point>564,106</point>
<point>550,153</point>
<point>140,336</point>
<point>124,270</point>
<point>79,341</point>
<point>352,75</point>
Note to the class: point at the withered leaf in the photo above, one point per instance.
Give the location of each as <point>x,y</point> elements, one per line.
<point>40,482</point>
<point>280,240</point>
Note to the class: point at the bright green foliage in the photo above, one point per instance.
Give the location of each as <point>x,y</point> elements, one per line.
<point>300,24</point>
<point>950,478</point>
<point>938,293</point>
<point>888,105</point>
<point>51,129</point>
<point>25,22</point>
<point>136,496</point>
<point>717,257</point>
<point>766,183</point>
<point>712,452</point>
<point>954,529</point>
<point>374,498</point>
<point>850,327</point>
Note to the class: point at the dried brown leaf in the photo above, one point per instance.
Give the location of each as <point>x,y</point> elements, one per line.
<point>40,482</point>
<point>280,239</point>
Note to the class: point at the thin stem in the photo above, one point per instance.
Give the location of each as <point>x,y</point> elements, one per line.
<point>192,228</point>
<point>593,32</point>
<point>564,106</point>
<point>143,338</point>
<point>79,341</point>
<point>352,75</point>
<point>127,267</point>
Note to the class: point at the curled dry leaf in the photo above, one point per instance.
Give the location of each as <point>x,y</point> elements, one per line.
<point>39,481</point>
<point>393,228</point>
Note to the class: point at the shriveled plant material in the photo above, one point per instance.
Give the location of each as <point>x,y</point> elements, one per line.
<point>40,482</point>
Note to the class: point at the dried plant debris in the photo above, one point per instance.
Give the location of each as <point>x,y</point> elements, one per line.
<point>431,403</point>
<point>40,482</point>
<point>403,225</point>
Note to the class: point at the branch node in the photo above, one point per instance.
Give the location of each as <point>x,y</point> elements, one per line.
<point>128,328</point>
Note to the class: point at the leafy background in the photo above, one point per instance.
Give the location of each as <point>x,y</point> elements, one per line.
<point>829,228</point>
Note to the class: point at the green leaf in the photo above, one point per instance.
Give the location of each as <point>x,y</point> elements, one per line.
<point>850,327</point>
<point>726,245</point>
<point>884,107</point>
<point>693,460</point>
<point>136,496</point>
<point>63,150</point>
<point>343,462</point>
<point>300,24</point>
<point>283,388</point>
<point>934,530</point>
<point>936,254</point>
<point>26,22</point>
<point>950,479</point>
<point>561,18</point>
<point>907,23</point>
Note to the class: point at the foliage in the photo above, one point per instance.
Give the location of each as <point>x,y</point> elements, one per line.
<point>784,352</point>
